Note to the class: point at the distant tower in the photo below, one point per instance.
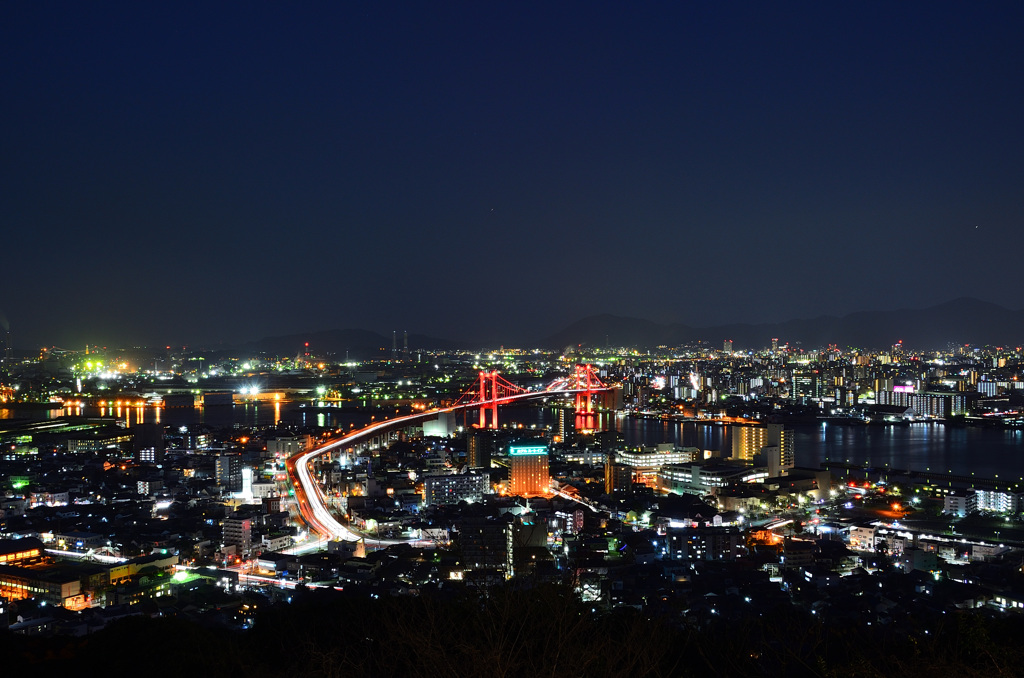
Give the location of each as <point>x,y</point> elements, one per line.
<point>394,344</point>
<point>775,343</point>
<point>405,345</point>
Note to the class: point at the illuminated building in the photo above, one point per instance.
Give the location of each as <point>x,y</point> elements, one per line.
<point>148,443</point>
<point>479,447</point>
<point>80,542</point>
<point>780,458</point>
<point>617,477</point>
<point>237,531</point>
<point>228,471</point>
<point>645,462</point>
<point>707,543</point>
<point>286,446</point>
<point>21,552</point>
<point>442,427</point>
<point>705,479</point>
<point>54,585</point>
<point>805,384</point>
<point>934,405</point>
<point>749,441</point>
<point>585,456</point>
<point>487,544</point>
<point>565,427</point>
<point>98,441</point>
<point>528,474</point>
<point>451,489</point>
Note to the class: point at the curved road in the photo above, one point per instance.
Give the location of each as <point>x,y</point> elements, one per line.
<point>310,497</point>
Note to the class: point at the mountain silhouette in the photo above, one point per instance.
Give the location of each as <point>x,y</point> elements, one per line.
<point>961,321</point>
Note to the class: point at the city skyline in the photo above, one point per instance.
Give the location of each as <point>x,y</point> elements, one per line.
<point>186,175</point>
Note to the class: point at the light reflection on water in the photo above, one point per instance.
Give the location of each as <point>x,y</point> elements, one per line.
<point>986,452</point>
<point>983,451</point>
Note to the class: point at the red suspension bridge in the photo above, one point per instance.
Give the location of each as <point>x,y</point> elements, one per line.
<point>491,390</point>
<point>486,393</point>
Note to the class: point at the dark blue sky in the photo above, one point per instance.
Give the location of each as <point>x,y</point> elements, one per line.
<point>220,172</point>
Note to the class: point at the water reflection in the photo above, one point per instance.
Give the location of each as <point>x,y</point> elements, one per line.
<point>985,452</point>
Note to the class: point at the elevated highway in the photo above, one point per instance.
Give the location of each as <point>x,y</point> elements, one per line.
<point>310,497</point>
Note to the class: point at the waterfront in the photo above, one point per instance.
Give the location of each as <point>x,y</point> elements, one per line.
<point>986,452</point>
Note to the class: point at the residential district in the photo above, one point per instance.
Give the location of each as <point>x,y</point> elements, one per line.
<point>163,482</point>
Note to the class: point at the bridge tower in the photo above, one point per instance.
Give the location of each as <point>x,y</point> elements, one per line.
<point>488,399</point>
<point>588,383</point>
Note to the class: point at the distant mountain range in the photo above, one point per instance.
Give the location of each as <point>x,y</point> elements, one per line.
<point>358,344</point>
<point>965,320</point>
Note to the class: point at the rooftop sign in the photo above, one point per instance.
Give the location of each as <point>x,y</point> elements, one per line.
<point>527,451</point>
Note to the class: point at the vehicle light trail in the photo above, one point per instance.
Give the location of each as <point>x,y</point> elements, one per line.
<point>309,495</point>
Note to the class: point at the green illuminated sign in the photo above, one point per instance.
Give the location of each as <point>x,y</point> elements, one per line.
<point>530,451</point>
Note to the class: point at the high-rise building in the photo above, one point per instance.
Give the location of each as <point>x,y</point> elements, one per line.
<point>479,447</point>
<point>565,427</point>
<point>749,441</point>
<point>779,458</point>
<point>528,472</point>
<point>934,405</point>
<point>487,543</point>
<point>228,471</point>
<point>804,384</point>
<point>727,345</point>
<point>617,477</point>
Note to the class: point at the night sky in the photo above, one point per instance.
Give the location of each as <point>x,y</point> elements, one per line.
<point>218,172</point>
